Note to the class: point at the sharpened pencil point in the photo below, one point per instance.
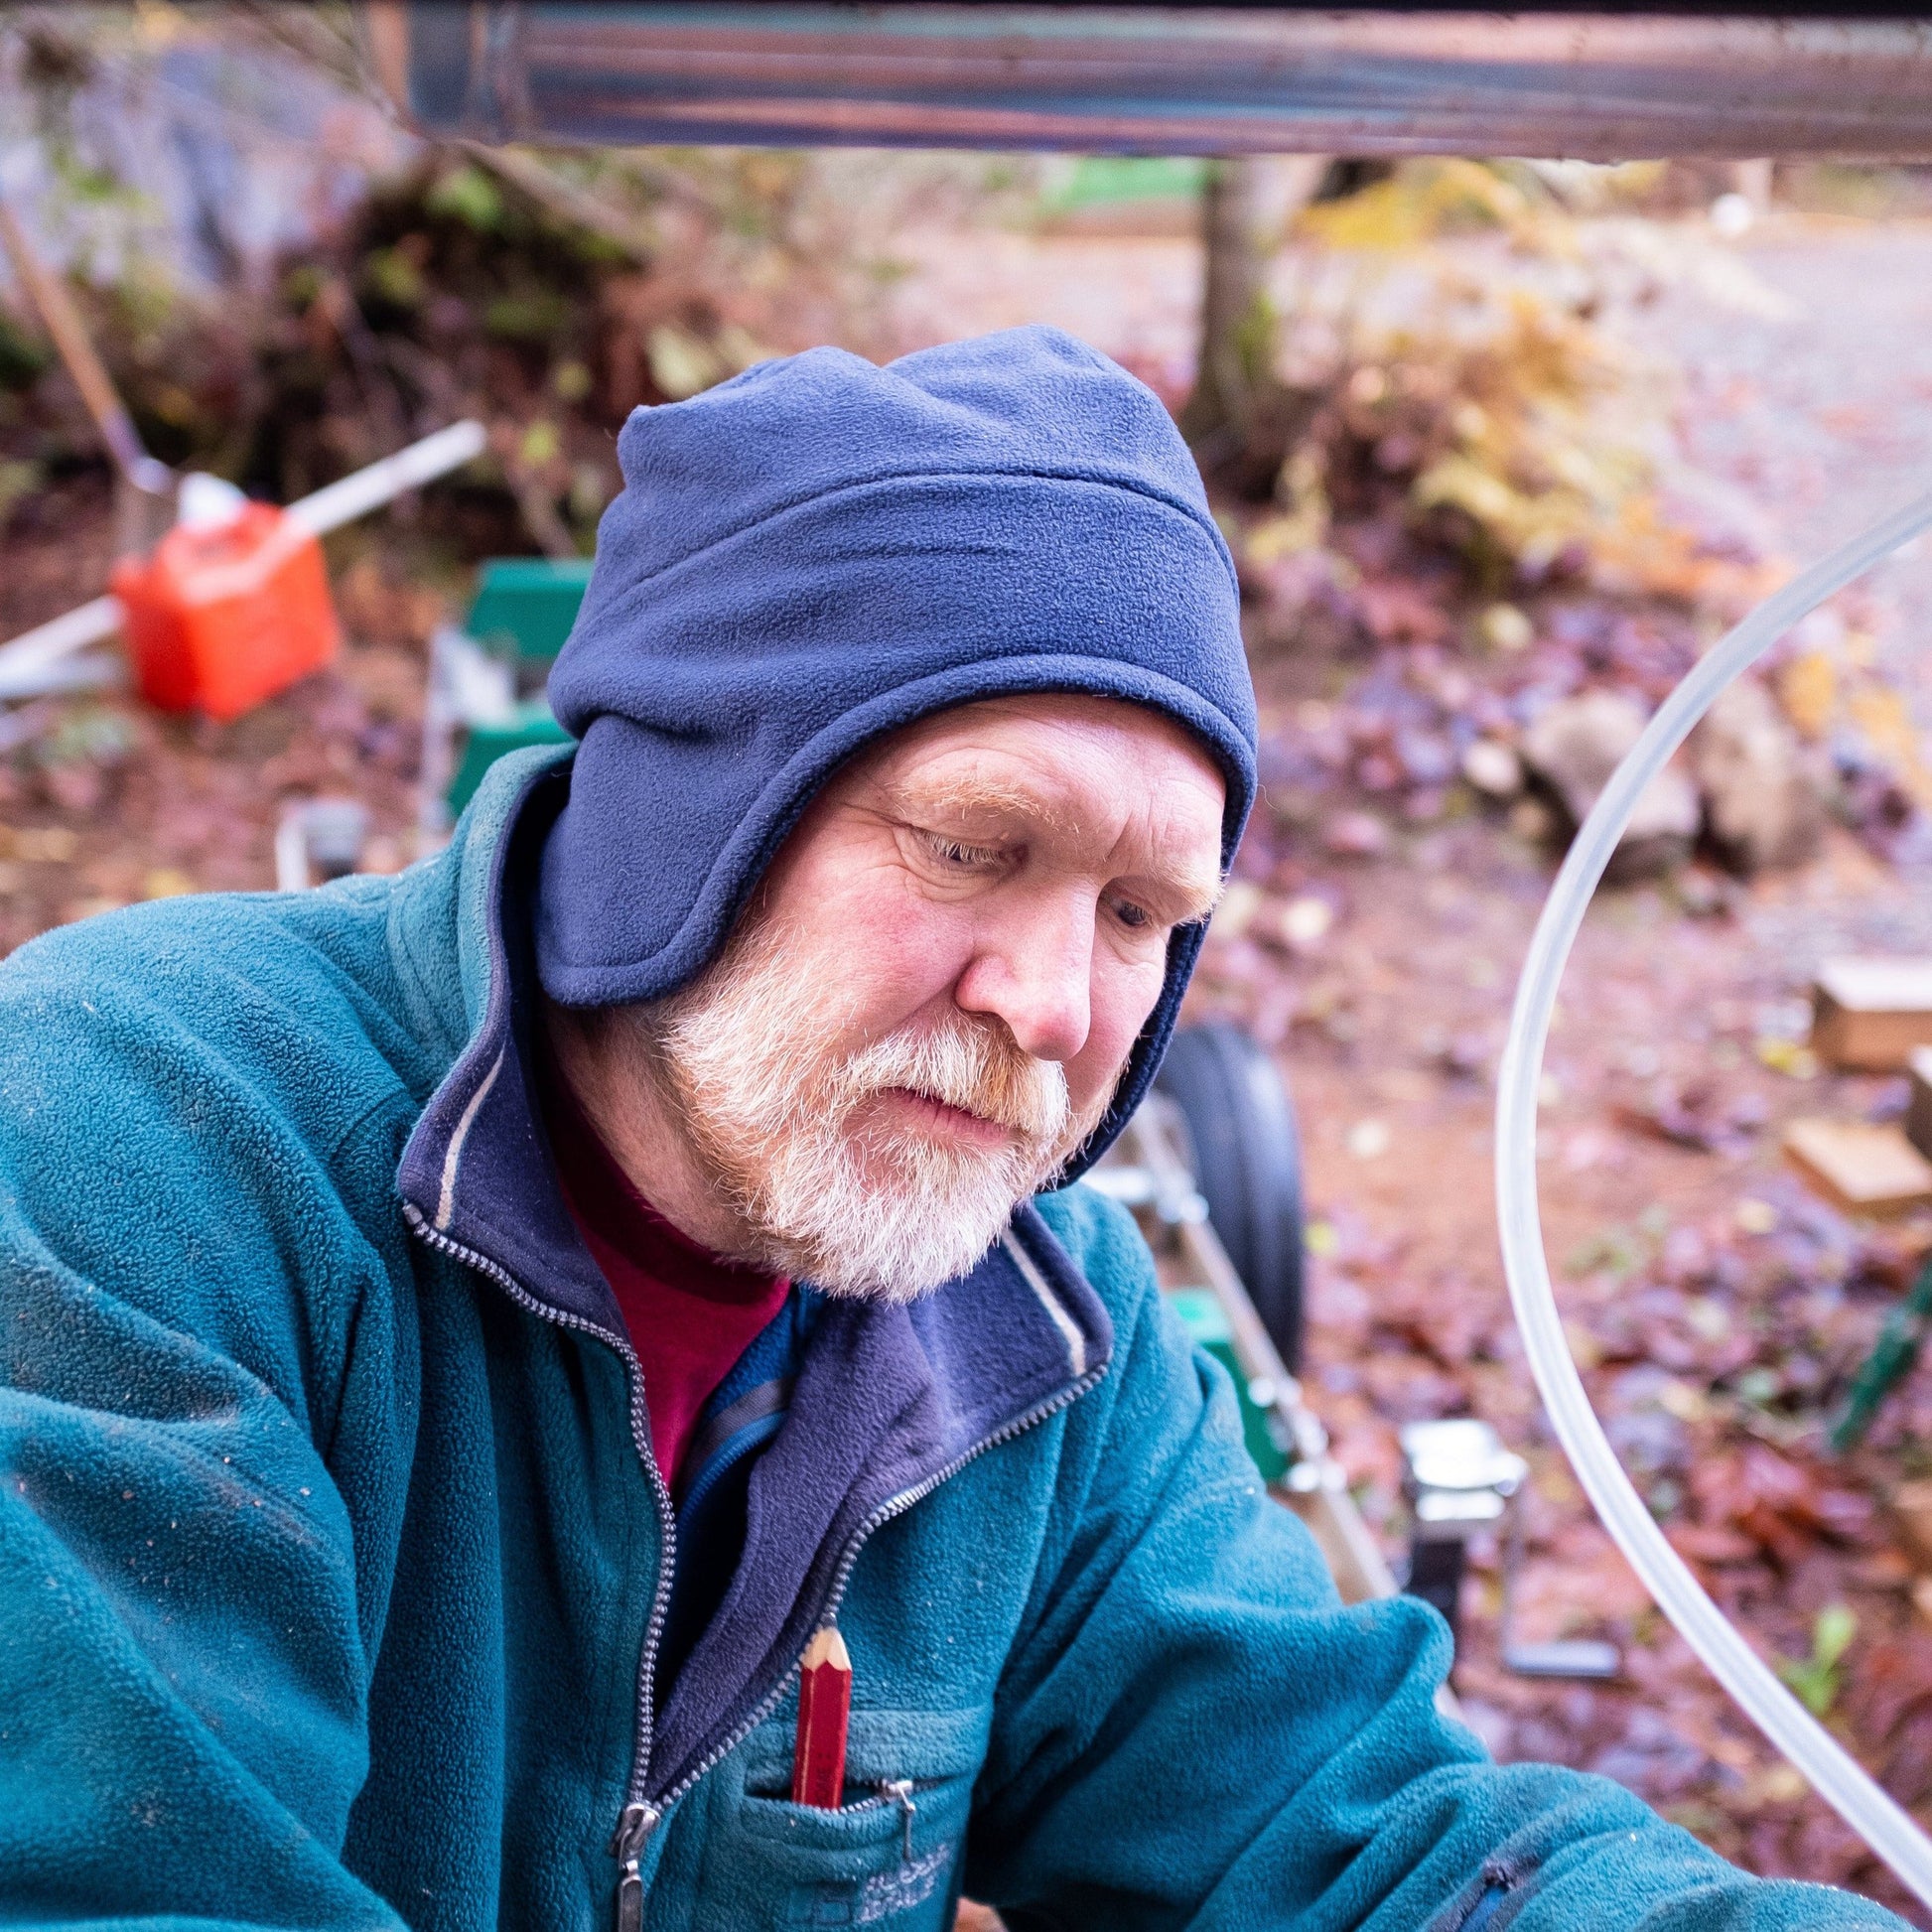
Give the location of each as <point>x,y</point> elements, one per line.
<point>826,1647</point>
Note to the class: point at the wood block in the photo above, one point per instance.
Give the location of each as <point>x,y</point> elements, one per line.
<point>1860,1168</point>
<point>1918,1114</point>
<point>1869,1013</point>
<point>1911,1508</point>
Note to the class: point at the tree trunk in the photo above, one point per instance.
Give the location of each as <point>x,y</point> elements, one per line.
<point>1236,417</point>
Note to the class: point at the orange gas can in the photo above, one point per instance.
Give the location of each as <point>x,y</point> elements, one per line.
<point>220,618</point>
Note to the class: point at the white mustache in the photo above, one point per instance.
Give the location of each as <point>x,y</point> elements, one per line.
<point>963,1065</point>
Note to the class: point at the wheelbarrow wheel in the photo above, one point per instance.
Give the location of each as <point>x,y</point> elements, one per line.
<point>1247,1160</point>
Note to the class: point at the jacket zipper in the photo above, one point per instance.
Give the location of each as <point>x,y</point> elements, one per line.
<point>649,1815</point>
<point>638,1819</point>
<point>641,1816</point>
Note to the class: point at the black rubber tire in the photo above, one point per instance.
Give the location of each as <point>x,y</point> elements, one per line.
<point>1246,1155</point>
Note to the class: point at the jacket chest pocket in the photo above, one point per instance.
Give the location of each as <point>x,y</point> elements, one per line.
<point>888,1856</point>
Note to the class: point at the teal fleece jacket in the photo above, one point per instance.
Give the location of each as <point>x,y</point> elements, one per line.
<point>331,1554</point>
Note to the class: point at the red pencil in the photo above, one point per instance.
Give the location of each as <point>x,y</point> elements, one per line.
<point>824,1705</point>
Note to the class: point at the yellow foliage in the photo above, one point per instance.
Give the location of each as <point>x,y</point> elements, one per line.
<point>1523,391</point>
<point>1527,457</point>
<point>1838,687</point>
<point>1528,423</point>
<point>1880,713</point>
<point>1808,690</point>
<point>1416,203</point>
<point>1524,431</point>
<point>1787,1057</point>
<point>680,363</point>
<point>541,443</point>
<point>1303,523</point>
<point>1638,551</point>
<point>1525,434</point>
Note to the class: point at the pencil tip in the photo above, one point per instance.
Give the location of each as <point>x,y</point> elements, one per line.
<point>826,1647</point>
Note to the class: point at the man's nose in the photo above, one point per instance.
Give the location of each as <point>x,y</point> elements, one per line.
<point>1035,975</point>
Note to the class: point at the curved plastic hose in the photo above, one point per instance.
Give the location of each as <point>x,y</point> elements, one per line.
<point>1856,1799</point>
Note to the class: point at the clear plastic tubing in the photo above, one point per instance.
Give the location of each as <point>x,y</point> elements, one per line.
<point>1855,1797</point>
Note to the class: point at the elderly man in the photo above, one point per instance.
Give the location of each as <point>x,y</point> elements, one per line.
<point>465,1335</point>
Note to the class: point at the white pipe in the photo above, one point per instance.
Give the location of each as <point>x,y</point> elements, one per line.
<point>34,651</point>
<point>27,656</point>
<point>1844,1784</point>
<point>355,495</point>
<point>74,672</point>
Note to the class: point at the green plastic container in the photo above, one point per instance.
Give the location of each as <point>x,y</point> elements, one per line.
<point>1202,1315</point>
<point>1118,179</point>
<point>523,610</point>
<point>483,745</point>
<point>525,606</point>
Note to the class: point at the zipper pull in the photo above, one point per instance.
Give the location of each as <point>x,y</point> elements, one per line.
<point>899,1791</point>
<point>630,1901</point>
<point>636,1823</point>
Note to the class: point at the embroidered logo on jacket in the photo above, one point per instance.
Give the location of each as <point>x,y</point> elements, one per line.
<point>884,1895</point>
<point>902,1887</point>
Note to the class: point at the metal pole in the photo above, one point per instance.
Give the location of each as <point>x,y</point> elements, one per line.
<point>49,295</point>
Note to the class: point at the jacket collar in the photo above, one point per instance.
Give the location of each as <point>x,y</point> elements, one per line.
<point>888,1400</point>
<point>476,1170</point>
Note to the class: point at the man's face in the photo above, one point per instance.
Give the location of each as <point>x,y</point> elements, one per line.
<point>929,1006</point>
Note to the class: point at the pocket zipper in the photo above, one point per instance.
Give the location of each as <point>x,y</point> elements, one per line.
<point>890,1791</point>
<point>899,1791</point>
<point>886,1791</point>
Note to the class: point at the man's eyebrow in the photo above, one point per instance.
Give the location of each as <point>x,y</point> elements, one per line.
<point>1197,899</point>
<point>967,794</point>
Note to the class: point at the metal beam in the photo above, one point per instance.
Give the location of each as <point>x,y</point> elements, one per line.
<point>1160,80</point>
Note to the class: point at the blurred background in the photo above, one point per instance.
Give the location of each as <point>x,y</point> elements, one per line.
<point>1499,448</point>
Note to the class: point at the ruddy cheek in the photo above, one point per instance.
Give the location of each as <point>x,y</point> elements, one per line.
<point>1120,1010</point>
<point>894,961</point>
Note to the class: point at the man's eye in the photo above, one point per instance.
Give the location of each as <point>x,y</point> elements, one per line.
<point>1136,919</point>
<point>955,852</point>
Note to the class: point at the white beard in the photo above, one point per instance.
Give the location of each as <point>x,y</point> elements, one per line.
<point>860,1210</point>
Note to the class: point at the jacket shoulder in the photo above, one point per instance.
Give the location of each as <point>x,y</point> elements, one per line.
<point>202,1102</point>
<point>294,995</point>
<point>1099,1233</point>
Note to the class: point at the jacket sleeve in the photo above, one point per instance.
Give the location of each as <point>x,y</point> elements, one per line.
<point>1193,1732</point>
<point>183,1676</point>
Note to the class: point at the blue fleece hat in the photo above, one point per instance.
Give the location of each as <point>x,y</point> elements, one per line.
<point>820,551</point>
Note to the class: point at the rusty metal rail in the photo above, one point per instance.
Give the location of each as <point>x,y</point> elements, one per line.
<point>1148,1173</point>
<point>1160,79</point>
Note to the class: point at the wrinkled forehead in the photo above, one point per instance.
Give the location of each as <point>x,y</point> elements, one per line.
<point>1032,751</point>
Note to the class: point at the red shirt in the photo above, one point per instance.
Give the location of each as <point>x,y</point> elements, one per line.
<point>690,1314</point>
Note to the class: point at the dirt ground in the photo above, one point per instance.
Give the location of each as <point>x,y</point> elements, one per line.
<point>1716,1307</point>
<point>1712,1302</point>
